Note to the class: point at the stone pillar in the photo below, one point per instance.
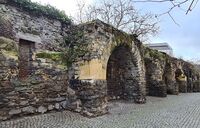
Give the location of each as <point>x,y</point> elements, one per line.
<point>92,94</point>
<point>158,88</point>
<point>182,86</point>
<point>182,83</point>
<point>196,86</point>
<point>154,73</point>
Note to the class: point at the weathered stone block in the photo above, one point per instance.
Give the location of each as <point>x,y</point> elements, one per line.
<point>15,112</point>
<point>31,110</point>
<point>42,109</point>
<point>50,107</point>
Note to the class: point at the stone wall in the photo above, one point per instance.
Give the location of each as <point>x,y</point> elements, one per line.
<point>93,96</point>
<point>154,76</point>
<point>102,40</point>
<point>17,23</point>
<point>35,79</point>
<point>167,75</point>
<point>45,89</point>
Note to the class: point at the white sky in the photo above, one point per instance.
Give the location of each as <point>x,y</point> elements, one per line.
<point>69,6</point>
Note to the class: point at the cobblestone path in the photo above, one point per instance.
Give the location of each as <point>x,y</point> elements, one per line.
<point>182,111</point>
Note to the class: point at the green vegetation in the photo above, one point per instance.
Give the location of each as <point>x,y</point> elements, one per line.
<point>76,45</point>
<point>7,44</point>
<point>55,56</point>
<point>8,48</point>
<point>154,54</point>
<point>39,9</point>
<point>58,57</point>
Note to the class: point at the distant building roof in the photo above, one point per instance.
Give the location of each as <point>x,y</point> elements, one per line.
<point>163,47</point>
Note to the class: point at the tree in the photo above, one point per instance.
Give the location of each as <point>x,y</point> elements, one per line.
<point>174,3</point>
<point>121,14</point>
<point>191,4</point>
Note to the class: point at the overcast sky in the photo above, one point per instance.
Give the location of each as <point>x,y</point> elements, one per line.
<point>184,39</point>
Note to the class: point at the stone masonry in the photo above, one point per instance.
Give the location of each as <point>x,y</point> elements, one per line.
<point>47,33</point>
<point>36,77</point>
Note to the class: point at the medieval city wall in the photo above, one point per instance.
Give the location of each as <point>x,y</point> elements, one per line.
<point>33,78</point>
<point>47,64</point>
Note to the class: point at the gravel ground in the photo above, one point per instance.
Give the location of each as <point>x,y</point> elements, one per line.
<point>182,111</point>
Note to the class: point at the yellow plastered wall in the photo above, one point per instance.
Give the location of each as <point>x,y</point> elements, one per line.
<point>92,70</point>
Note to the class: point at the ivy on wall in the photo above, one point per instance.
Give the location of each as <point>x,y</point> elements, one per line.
<point>39,9</point>
<point>76,45</point>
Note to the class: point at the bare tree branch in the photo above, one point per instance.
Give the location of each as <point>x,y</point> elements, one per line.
<point>122,15</point>
<point>175,4</point>
<point>190,7</point>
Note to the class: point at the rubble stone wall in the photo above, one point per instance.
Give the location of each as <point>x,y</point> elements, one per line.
<point>166,74</point>
<point>82,87</point>
<point>44,90</point>
<point>18,24</point>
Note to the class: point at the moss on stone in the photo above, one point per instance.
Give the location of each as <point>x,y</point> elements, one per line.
<point>58,57</point>
<point>8,48</point>
<point>55,56</point>
<point>39,9</point>
<point>155,54</point>
<point>7,44</point>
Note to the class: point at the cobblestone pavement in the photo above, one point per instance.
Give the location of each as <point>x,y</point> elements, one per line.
<point>182,111</point>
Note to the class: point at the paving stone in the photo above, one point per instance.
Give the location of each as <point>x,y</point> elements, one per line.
<point>182,111</point>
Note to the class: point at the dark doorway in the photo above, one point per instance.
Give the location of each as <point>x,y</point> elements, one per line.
<point>26,49</point>
<point>121,74</point>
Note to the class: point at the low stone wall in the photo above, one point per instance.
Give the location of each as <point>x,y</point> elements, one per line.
<point>45,89</point>
<point>93,96</point>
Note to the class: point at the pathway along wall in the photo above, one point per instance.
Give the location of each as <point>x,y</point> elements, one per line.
<point>112,68</point>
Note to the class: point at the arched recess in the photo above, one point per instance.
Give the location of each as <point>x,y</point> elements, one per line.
<point>122,74</point>
<point>181,80</point>
<point>169,79</point>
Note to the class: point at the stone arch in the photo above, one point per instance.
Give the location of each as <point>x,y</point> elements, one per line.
<point>121,74</point>
<point>169,78</point>
<point>95,69</point>
<point>91,68</point>
<point>181,80</point>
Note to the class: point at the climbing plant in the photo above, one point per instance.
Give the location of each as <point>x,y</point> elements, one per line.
<point>75,44</point>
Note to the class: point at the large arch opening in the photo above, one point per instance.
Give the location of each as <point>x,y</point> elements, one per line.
<point>122,74</point>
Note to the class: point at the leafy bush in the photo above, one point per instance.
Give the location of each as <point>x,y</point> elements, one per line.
<point>39,9</point>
